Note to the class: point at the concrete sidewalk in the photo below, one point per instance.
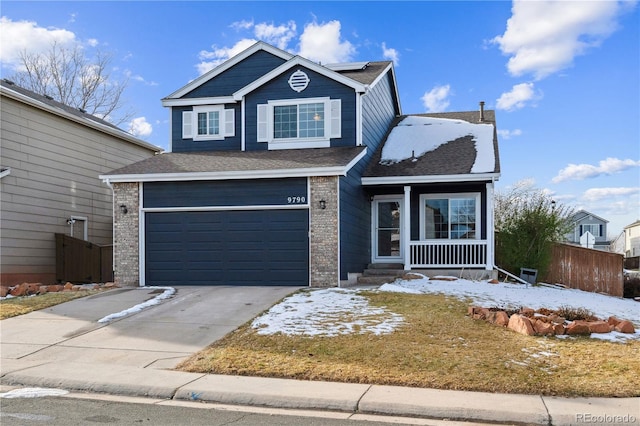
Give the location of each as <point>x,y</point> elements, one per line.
<point>64,347</point>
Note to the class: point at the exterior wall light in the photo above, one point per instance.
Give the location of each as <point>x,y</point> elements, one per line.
<point>323,204</point>
<point>123,209</point>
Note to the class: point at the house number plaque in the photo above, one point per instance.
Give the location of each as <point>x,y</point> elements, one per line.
<point>297,200</point>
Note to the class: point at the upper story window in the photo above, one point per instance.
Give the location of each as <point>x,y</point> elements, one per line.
<point>594,229</point>
<point>450,216</point>
<point>208,122</point>
<point>299,123</point>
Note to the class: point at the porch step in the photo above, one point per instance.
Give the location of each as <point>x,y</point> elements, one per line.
<point>381,273</point>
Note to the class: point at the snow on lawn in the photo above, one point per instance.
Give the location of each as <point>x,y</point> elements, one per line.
<point>327,312</point>
<point>330,312</point>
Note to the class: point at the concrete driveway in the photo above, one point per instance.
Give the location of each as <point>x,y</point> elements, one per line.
<point>158,337</point>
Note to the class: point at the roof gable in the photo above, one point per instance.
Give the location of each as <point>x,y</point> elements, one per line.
<point>228,64</point>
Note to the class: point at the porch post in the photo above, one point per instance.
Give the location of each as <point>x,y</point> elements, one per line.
<point>406,231</point>
<point>490,230</point>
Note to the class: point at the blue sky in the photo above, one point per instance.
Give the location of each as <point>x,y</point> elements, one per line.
<point>563,76</point>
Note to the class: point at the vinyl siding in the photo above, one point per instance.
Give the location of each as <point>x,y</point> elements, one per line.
<point>54,165</point>
<point>378,112</point>
<point>319,86</point>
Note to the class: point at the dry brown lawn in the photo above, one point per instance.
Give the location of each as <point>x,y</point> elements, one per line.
<point>23,305</point>
<point>438,347</point>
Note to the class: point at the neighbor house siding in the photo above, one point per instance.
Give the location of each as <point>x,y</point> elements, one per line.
<point>319,86</point>
<point>54,166</point>
<point>378,112</point>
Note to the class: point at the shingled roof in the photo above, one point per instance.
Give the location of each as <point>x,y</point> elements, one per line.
<point>239,164</point>
<point>455,157</point>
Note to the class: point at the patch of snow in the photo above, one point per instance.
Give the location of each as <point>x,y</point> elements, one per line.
<point>33,393</point>
<point>168,292</point>
<point>507,295</point>
<point>415,136</point>
<point>326,312</point>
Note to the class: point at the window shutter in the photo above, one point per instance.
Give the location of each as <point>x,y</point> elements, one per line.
<point>601,231</point>
<point>263,125</point>
<point>580,232</point>
<point>229,122</point>
<point>336,119</point>
<point>187,125</point>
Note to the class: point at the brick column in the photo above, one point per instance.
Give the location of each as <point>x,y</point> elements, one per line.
<point>324,241</point>
<point>126,235</point>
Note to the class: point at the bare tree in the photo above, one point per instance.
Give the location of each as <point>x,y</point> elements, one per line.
<point>69,77</point>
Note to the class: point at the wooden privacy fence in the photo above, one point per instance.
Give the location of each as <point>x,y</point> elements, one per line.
<point>587,269</point>
<point>79,261</point>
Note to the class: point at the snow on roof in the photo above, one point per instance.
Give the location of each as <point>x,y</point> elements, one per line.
<point>415,136</point>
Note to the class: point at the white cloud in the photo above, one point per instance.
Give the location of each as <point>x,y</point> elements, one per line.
<point>242,25</point>
<point>322,43</point>
<point>213,58</point>
<point>278,36</point>
<point>140,127</point>
<point>390,54</point>
<point>608,166</point>
<point>597,194</point>
<point>436,100</point>
<point>518,97</point>
<point>508,134</point>
<point>28,36</point>
<point>543,37</point>
<point>92,42</point>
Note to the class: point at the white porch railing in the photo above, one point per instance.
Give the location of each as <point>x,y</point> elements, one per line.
<point>448,254</point>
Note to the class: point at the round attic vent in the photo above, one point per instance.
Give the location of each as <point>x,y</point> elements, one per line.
<point>298,81</point>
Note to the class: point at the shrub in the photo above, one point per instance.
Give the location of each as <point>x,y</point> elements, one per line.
<point>631,286</point>
<point>572,314</point>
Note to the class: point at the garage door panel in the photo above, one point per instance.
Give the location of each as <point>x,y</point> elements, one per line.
<point>266,247</point>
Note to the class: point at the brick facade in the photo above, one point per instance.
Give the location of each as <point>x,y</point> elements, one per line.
<point>324,244</point>
<point>126,234</point>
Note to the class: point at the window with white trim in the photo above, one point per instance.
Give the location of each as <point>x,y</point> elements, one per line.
<point>594,228</point>
<point>299,123</point>
<point>450,216</point>
<point>208,122</point>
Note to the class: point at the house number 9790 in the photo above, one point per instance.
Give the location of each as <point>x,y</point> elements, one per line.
<point>296,200</point>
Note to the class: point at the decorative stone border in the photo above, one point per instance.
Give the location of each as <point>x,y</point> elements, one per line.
<point>29,289</point>
<point>532,323</point>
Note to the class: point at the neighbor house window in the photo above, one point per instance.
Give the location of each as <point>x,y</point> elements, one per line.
<point>299,123</point>
<point>594,229</point>
<point>208,122</point>
<point>450,216</point>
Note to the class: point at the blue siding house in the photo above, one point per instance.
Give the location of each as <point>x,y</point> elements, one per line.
<point>283,171</point>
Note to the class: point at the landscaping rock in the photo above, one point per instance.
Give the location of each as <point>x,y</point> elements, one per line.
<point>556,319</point>
<point>19,290</point>
<point>577,327</point>
<point>600,327</point>
<point>4,291</point>
<point>558,329</point>
<point>613,321</point>
<point>68,286</point>
<point>493,281</point>
<point>542,328</point>
<point>625,327</point>
<point>521,324</point>
<point>527,312</point>
<point>43,289</point>
<point>502,318</point>
<point>410,276</point>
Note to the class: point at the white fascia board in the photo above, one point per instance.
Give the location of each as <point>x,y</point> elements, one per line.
<point>408,180</point>
<point>235,175</point>
<point>299,61</point>
<point>260,45</point>
<point>219,100</point>
<point>118,133</point>
<point>5,172</point>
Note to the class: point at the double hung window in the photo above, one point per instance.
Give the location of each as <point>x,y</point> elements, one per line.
<point>299,123</point>
<point>450,216</point>
<point>208,122</point>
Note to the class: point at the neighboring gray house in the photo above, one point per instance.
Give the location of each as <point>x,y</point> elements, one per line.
<point>582,222</point>
<point>50,159</point>
<point>284,171</point>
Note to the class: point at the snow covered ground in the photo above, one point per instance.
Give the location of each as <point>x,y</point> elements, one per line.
<point>329,312</point>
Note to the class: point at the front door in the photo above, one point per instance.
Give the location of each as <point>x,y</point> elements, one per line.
<point>387,230</point>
